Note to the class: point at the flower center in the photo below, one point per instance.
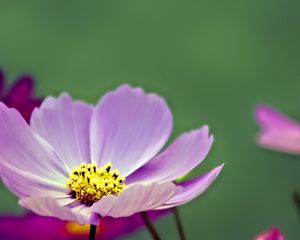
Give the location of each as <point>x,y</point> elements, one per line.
<point>89,184</point>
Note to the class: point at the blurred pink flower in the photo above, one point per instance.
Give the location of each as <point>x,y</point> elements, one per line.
<point>278,132</point>
<point>19,95</point>
<point>31,226</point>
<point>271,234</point>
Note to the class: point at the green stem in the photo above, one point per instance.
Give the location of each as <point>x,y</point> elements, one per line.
<point>178,223</point>
<point>93,229</point>
<point>296,198</point>
<point>150,226</point>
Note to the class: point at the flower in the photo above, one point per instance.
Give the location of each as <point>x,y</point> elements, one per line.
<point>271,234</point>
<point>20,95</point>
<point>278,132</point>
<point>55,229</point>
<point>78,162</point>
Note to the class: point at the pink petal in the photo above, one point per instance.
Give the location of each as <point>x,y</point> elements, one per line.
<point>192,188</point>
<point>64,124</point>
<point>26,161</point>
<point>20,96</point>
<point>27,108</point>
<point>31,227</point>
<point>128,128</point>
<point>21,91</point>
<point>25,184</point>
<point>179,158</point>
<point>136,198</point>
<point>271,234</point>
<point>50,207</point>
<point>277,131</point>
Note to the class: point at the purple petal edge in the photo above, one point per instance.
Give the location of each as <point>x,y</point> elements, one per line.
<point>192,188</point>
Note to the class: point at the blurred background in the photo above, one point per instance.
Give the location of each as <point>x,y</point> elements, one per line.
<point>213,61</point>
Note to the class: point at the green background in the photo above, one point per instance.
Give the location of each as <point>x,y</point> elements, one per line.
<point>213,61</point>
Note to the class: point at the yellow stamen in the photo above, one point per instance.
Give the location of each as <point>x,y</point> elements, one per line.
<point>89,184</point>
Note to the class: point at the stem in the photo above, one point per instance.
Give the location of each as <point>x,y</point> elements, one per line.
<point>178,223</point>
<point>93,229</point>
<point>296,198</point>
<point>150,226</point>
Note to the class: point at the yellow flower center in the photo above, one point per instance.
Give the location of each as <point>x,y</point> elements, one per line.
<point>89,184</point>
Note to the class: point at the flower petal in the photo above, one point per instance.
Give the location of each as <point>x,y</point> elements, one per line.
<point>277,130</point>
<point>128,128</point>
<point>30,226</point>
<point>25,184</point>
<point>50,228</point>
<point>192,188</point>
<point>25,157</point>
<point>50,207</point>
<point>64,124</point>
<point>20,96</point>
<point>136,198</point>
<point>21,91</point>
<point>179,158</point>
<point>273,233</point>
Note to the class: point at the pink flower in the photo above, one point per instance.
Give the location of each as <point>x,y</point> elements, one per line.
<point>31,226</point>
<point>278,132</point>
<point>271,234</point>
<point>20,95</point>
<point>78,162</point>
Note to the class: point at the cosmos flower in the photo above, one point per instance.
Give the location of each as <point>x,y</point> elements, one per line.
<point>278,132</point>
<point>79,163</point>
<point>271,234</point>
<point>55,229</point>
<point>20,95</point>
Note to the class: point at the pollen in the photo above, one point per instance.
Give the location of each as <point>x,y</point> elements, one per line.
<point>89,184</point>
